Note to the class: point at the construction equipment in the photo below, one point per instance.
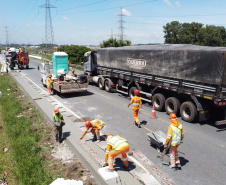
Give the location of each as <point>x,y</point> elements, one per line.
<point>11,57</point>
<point>157,138</point>
<point>64,79</point>
<point>22,59</point>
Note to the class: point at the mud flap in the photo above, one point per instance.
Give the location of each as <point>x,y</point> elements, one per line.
<point>203,115</point>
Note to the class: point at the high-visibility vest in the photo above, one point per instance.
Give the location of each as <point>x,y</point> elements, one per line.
<point>101,123</point>
<point>176,136</point>
<point>136,102</point>
<point>117,143</point>
<point>57,117</point>
<point>47,82</point>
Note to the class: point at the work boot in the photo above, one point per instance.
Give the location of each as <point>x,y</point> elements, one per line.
<point>173,168</point>
<point>138,126</point>
<point>94,138</point>
<point>110,170</point>
<point>178,166</point>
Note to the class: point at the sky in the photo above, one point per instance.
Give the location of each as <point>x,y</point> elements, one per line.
<point>89,22</point>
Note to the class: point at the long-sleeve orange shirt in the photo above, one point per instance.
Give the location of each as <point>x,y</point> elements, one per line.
<point>136,101</point>
<point>98,124</point>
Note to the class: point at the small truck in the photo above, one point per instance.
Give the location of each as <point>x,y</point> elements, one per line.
<point>65,79</point>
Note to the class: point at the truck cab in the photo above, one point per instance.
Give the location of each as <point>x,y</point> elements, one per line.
<point>90,62</point>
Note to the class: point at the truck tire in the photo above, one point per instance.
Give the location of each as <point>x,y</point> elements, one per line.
<point>131,91</point>
<point>159,101</point>
<point>188,111</point>
<point>27,66</point>
<point>43,83</point>
<point>100,83</point>
<point>107,85</point>
<point>172,105</point>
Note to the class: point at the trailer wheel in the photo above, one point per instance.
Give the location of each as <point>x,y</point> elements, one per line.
<point>159,101</point>
<point>188,111</point>
<point>107,85</point>
<point>100,84</point>
<point>131,91</point>
<point>172,105</point>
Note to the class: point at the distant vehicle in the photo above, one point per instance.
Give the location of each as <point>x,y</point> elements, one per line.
<point>64,80</point>
<point>184,79</point>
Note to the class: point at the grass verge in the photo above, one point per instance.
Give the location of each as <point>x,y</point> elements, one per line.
<point>26,166</point>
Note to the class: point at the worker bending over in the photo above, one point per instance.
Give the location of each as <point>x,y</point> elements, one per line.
<point>137,105</point>
<point>175,135</point>
<point>95,126</point>
<point>58,122</point>
<point>116,145</point>
<point>49,83</point>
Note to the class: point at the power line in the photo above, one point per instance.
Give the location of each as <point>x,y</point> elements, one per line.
<point>184,15</point>
<point>116,7</point>
<point>49,35</point>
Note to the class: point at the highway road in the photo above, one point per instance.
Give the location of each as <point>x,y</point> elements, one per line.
<point>202,153</point>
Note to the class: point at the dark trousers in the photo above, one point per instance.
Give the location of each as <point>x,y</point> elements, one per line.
<point>58,130</point>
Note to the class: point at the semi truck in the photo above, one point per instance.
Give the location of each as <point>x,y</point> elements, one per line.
<point>187,80</point>
<point>64,79</point>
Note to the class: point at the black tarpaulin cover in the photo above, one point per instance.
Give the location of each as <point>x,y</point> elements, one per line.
<point>182,61</point>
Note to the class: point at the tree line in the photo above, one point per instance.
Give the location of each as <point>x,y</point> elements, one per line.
<point>75,53</point>
<point>194,33</point>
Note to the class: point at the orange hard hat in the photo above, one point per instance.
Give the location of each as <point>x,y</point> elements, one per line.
<point>56,110</point>
<point>136,91</point>
<point>108,136</point>
<point>87,123</point>
<point>50,74</point>
<point>172,116</point>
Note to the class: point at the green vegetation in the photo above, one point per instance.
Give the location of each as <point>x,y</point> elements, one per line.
<point>23,162</point>
<point>75,53</point>
<point>194,33</point>
<point>115,43</point>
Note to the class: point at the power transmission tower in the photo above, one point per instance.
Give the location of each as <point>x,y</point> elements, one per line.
<point>121,27</point>
<point>7,37</point>
<point>49,36</point>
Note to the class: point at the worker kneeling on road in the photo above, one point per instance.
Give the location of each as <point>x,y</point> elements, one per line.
<point>96,126</point>
<point>49,83</point>
<point>116,145</point>
<point>175,135</point>
<point>59,122</point>
<point>137,104</point>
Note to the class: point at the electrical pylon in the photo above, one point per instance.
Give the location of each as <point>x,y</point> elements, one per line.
<point>7,37</point>
<point>121,27</point>
<point>49,35</point>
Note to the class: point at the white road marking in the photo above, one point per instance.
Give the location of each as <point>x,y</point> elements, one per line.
<point>56,101</point>
<point>101,95</point>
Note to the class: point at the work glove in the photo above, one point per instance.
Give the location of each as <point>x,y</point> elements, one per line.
<point>165,146</point>
<point>140,111</point>
<point>105,164</point>
<point>80,138</point>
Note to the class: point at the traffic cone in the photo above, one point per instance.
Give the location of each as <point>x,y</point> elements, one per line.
<point>153,115</point>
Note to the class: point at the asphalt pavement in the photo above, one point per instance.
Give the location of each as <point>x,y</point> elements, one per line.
<point>202,152</point>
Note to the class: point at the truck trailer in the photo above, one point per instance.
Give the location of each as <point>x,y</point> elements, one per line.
<point>184,79</point>
<point>64,79</point>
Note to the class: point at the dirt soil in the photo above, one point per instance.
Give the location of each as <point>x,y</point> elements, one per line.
<point>61,162</point>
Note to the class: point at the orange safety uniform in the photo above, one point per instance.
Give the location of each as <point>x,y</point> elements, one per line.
<point>175,135</point>
<point>116,146</point>
<point>136,101</point>
<point>96,126</point>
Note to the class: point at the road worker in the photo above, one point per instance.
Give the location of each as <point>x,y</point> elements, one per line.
<point>49,83</point>
<point>95,126</point>
<point>59,122</point>
<point>6,66</point>
<point>137,105</point>
<point>175,135</point>
<point>116,145</point>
